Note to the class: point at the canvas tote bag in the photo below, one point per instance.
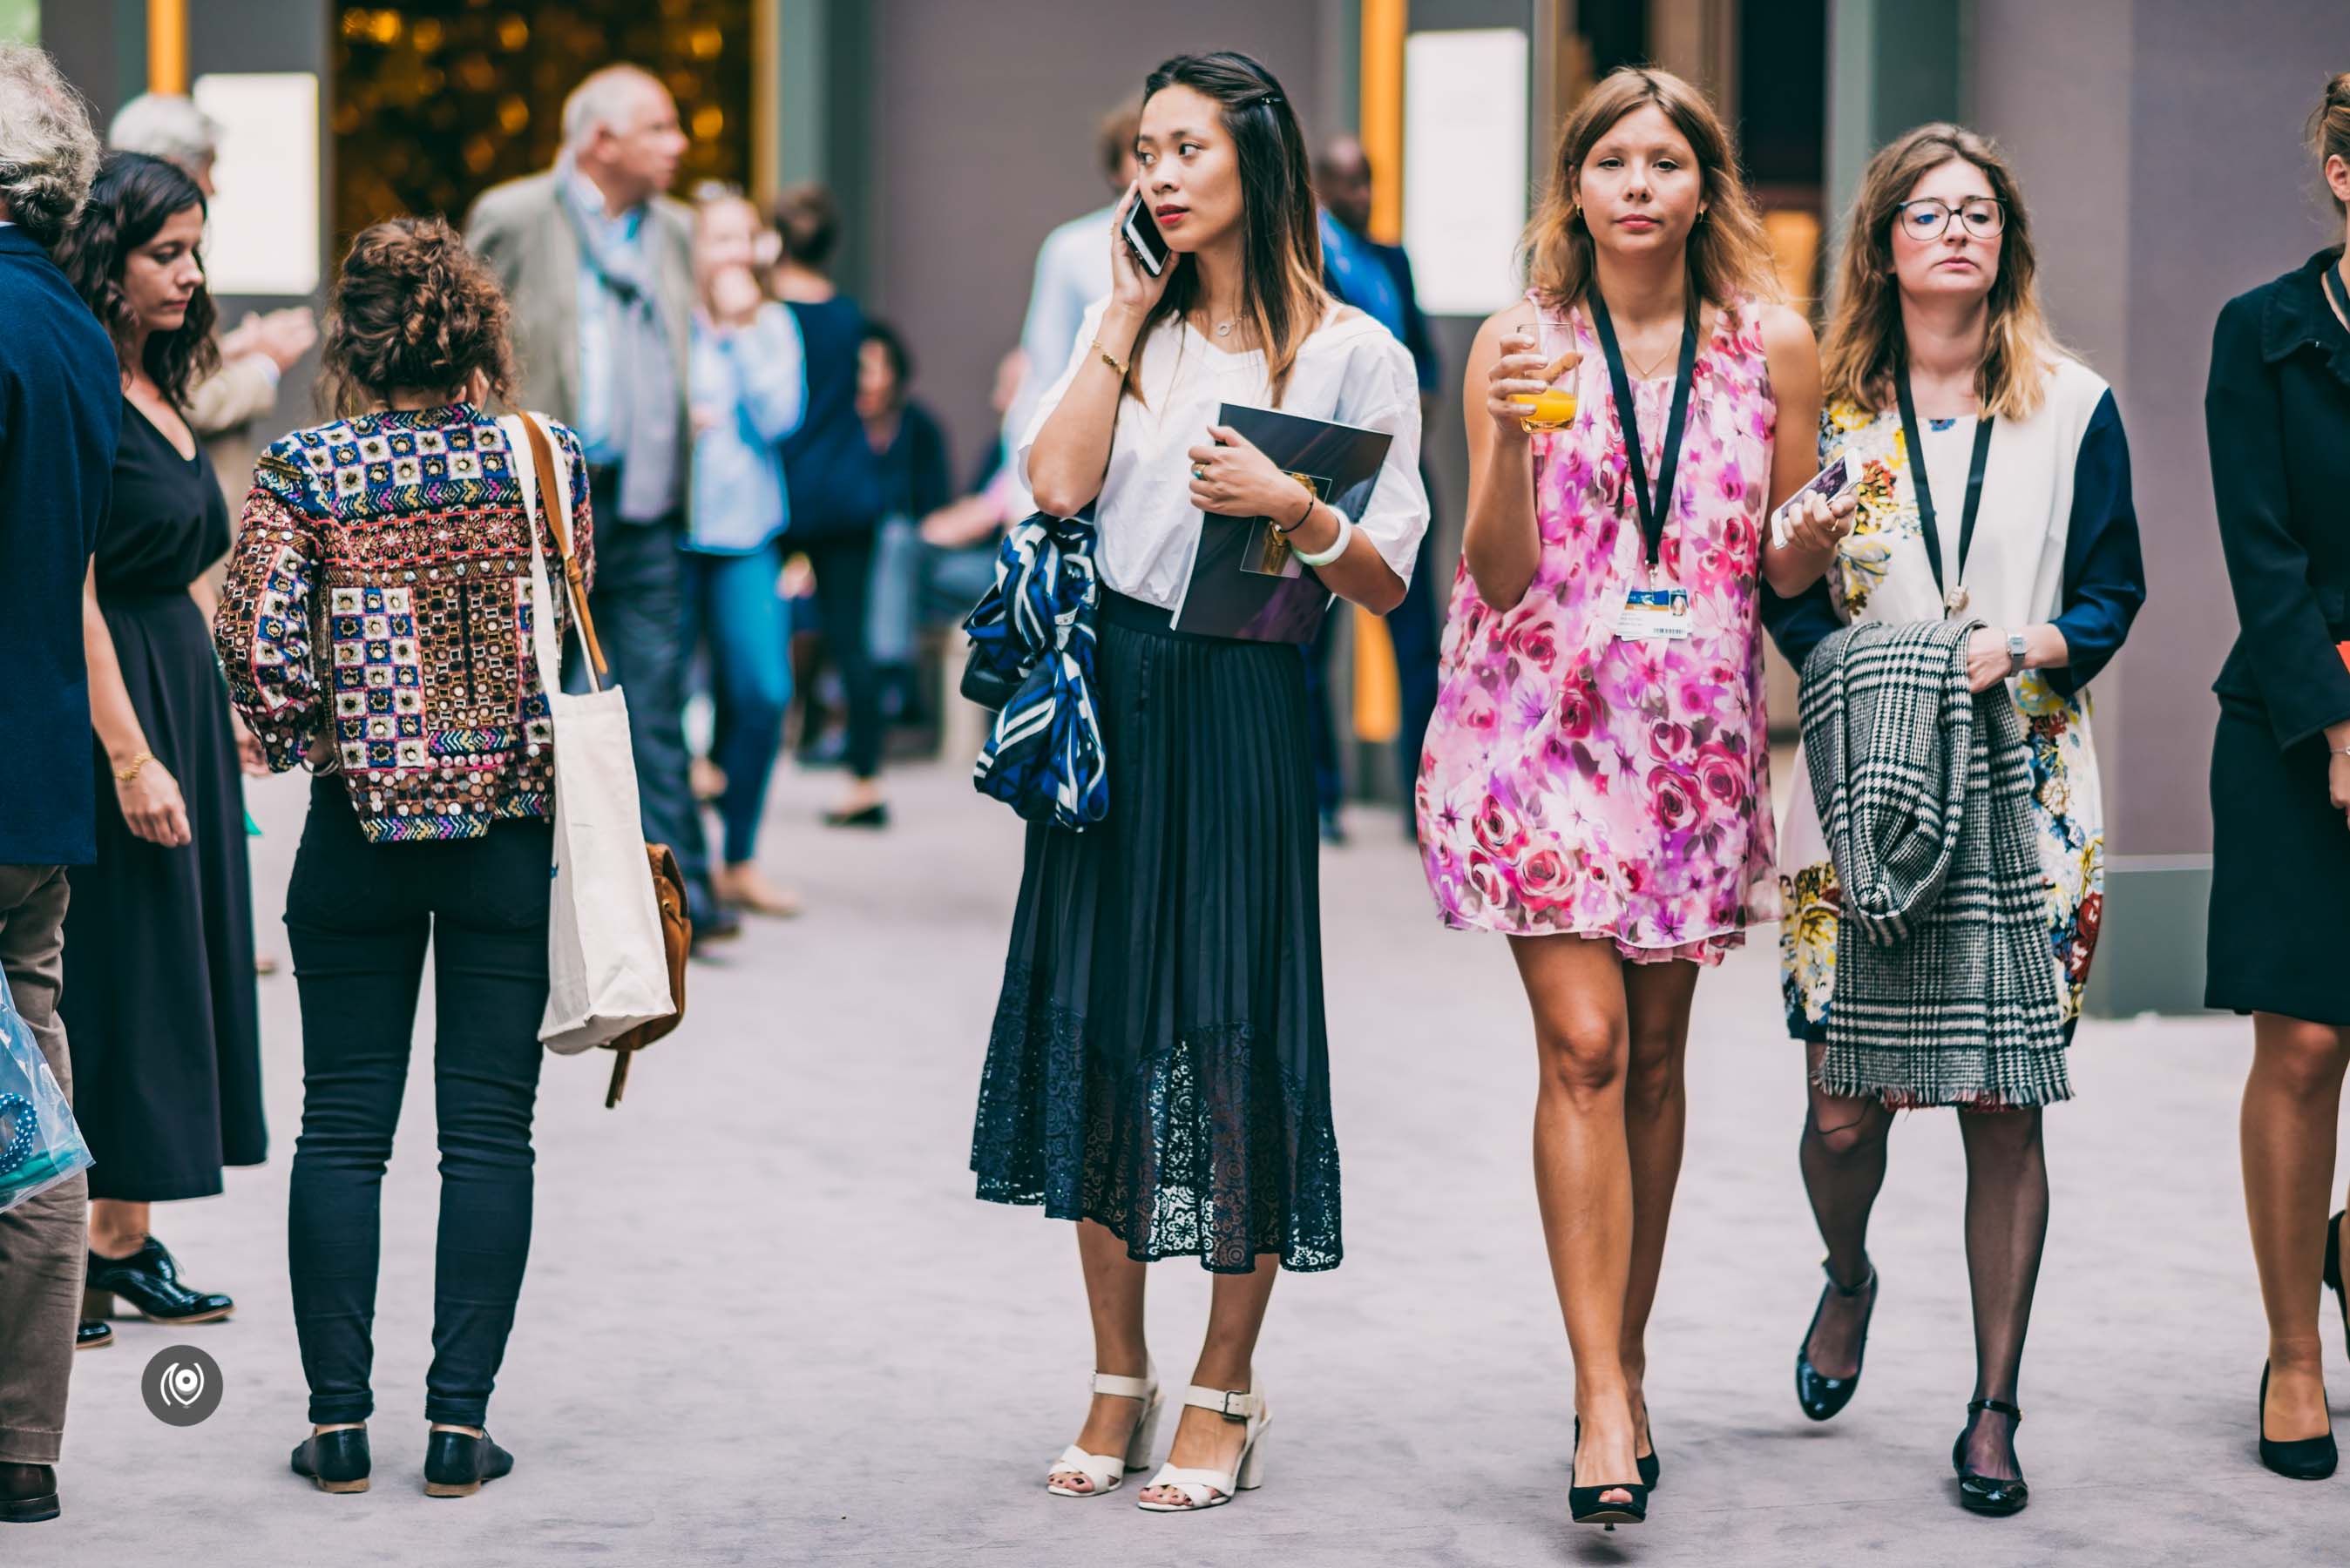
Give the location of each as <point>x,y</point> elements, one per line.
<point>606,964</point>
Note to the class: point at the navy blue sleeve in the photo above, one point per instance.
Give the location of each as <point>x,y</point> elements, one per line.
<point>2105,574</point>
<point>1800,624</point>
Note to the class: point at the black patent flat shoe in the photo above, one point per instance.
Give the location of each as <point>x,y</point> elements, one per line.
<point>1822,1395</point>
<point>875,816</point>
<point>90,1335</point>
<point>336,1462</point>
<point>457,1463</point>
<point>2302,1459</point>
<point>1995,1495</point>
<point>28,1494</point>
<point>148,1279</point>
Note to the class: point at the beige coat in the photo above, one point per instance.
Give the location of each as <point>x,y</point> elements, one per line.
<point>520,230</point>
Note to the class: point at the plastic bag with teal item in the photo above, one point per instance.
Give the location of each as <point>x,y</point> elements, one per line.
<point>39,1143</point>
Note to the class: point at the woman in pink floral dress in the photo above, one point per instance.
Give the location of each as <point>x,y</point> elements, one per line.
<point>1596,783</point>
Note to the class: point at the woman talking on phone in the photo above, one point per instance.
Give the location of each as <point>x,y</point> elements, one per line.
<point>1994,487</point>
<point>1158,1069</point>
<point>1596,783</point>
<point>2279,415</point>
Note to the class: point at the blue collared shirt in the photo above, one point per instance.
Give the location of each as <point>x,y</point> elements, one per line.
<point>594,422</point>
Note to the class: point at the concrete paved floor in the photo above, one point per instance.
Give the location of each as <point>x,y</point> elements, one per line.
<point>765,1321</point>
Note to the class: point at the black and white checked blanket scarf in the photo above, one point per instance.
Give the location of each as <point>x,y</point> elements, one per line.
<point>1945,984</point>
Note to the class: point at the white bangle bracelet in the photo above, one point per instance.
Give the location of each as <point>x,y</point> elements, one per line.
<point>1346,537</point>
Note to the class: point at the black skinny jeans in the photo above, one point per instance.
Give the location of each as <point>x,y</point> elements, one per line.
<point>843,563</point>
<point>357,916</point>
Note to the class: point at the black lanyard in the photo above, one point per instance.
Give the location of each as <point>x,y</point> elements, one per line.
<point>1952,600</point>
<point>2341,295</point>
<point>1653,512</point>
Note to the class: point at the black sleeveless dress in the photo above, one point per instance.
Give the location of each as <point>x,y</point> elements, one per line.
<point>160,1009</point>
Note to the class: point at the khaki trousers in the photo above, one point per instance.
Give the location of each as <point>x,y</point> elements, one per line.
<point>43,1243</point>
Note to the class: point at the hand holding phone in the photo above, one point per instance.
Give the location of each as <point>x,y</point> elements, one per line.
<point>1143,238</point>
<point>1831,486</point>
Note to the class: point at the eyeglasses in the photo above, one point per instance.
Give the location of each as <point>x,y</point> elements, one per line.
<point>1928,219</point>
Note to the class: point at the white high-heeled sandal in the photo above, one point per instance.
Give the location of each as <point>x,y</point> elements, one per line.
<point>1214,1488</point>
<point>1108,1471</point>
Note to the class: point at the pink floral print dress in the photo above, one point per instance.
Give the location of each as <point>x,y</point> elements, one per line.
<point>1575,783</point>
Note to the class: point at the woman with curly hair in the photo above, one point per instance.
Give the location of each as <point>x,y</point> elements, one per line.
<point>377,628</point>
<point>160,1006</point>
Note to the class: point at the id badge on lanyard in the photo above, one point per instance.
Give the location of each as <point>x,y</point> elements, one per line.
<point>1654,615</point>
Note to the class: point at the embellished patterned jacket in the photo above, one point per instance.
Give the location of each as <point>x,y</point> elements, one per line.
<point>376,619</point>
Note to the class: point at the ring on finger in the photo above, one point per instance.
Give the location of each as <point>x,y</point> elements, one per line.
<point>1198,471</point>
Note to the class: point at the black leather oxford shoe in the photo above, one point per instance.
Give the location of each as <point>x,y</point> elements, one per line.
<point>148,1279</point>
<point>336,1462</point>
<point>457,1463</point>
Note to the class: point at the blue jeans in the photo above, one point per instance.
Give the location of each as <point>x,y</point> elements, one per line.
<point>732,605</point>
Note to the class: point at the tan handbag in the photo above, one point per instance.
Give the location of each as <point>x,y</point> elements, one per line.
<point>667,881</point>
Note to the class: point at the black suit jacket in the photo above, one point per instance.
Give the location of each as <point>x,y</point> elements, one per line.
<point>2278,411</point>
<point>60,416</point>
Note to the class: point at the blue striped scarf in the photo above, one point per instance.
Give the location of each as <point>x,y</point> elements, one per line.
<point>1033,634</point>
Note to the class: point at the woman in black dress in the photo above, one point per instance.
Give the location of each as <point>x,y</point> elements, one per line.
<point>2279,415</point>
<point>833,484</point>
<point>160,1006</point>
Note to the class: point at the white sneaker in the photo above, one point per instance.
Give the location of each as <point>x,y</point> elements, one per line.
<point>1108,1471</point>
<point>1214,1488</point>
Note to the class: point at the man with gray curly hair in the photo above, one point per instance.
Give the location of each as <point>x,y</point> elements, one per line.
<point>60,415</point>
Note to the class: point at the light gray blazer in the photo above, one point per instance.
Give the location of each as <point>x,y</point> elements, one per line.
<point>520,230</point>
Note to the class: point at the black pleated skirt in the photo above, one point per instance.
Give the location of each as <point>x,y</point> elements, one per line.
<point>2279,924</point>
<point>1159,1061</point>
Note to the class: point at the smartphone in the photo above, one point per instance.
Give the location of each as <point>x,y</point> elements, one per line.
<point>1827,484</point>
<point>1143,238</point>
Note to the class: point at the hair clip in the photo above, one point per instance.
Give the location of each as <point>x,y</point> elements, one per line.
<point>1270,98</point>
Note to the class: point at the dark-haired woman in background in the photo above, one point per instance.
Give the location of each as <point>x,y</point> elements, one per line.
<point>1158,1070</point>
<point>834,483</point>
<point>2278,411</point>
<point>911,449</point>
<point>374,628</point>
<point>160,1007</point>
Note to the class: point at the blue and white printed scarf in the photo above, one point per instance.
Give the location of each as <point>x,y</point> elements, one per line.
<point>1033,634</point>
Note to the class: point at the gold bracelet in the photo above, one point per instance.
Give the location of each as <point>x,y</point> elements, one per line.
<point>1107,359</point>
<point>124,775</point>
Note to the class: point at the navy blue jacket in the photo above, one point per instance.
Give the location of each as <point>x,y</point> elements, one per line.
<point>60,415</point>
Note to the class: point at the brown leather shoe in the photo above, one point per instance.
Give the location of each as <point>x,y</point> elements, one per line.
<point>28,1493</point>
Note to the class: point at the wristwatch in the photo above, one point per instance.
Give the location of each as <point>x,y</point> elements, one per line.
<point>2016,650</point>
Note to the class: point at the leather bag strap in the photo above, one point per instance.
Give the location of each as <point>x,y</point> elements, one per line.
<point>542,461</point>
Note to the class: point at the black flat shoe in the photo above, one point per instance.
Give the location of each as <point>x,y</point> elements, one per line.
<point>28,1494</point>
<point>1583,1504</point>
<point>93,1335</point>
<point>338,1460</point>
<point>150,1281</point>
<point>2302,1459</point>
<point>457,1463</point>
<point>1821,1395</point>
<point>1995,1495</point>
<point>2333,1273</point>
<point>874,816</point>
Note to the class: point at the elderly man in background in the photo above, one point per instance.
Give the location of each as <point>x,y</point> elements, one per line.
<point>597,263</point>
<point>60,416</point>
<point>255,354</point>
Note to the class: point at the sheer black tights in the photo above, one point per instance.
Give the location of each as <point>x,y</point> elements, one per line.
<point>1843,1158</point>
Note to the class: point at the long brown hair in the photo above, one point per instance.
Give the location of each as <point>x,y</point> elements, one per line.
<point>1282,298</point>
<point>132,200</point>
<point>1864,346</point>
<point>1729,254</point>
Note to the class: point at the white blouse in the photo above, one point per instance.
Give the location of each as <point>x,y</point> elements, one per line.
<point>1351,371</point>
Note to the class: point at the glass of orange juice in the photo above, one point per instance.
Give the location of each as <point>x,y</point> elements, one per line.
<point>1552,409</point>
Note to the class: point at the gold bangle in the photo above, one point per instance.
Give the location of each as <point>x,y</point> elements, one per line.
<point>1107,359</point>
<point>124,775</point>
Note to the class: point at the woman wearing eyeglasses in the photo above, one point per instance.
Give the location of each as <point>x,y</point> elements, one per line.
<point>1995,488</point>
